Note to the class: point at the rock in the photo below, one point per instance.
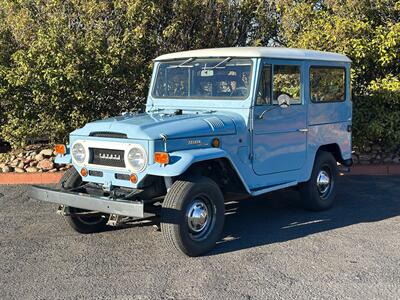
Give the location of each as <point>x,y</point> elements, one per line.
<point>14,163</point>
<point>355,159</point>
<point>39,157</point>
<point>20,155</point>
<point>396,160</point>
<point>12,158</point>
<point>28,161</point>
<point>33,163</point>
<point>47,152</point>
<point>45,164</point>
<point>365,157</point>
<point>2,165</point>
<point>53,170</point>
<point>19,170</point>
<point>31,169</point>
<point>367,148</point>
<point>21,165</point>
<point>387,160</point>
<point>6,169</point>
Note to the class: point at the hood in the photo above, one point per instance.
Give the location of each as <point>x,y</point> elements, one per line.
<point>149,126</point>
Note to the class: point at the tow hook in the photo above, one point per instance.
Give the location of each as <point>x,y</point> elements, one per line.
<point>63,210</point>
<point>114,220</point>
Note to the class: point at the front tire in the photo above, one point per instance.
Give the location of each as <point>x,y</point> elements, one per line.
<point>76,217</point>
<point>319,192</point>
<point>192,216</point>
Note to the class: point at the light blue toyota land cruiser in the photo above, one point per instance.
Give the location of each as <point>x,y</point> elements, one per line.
<point>223,121</point>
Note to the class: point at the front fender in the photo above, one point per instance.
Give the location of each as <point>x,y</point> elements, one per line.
<point>180,161</point>
<point>63,159</point>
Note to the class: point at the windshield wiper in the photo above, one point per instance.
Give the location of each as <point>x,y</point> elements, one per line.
<point>182,65</point>
<point>218,64</point>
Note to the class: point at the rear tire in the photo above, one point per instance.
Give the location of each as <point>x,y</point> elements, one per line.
<point>319,192</point>
<point>192,216</point>
<point>80,223</point>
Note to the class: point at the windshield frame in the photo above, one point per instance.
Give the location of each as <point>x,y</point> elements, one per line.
<point>197,97</point>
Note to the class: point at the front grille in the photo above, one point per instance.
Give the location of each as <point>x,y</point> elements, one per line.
<point>107,134</point>
<point>107,157</point>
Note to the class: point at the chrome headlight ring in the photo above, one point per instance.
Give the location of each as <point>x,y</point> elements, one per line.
<point>137,158</point>
<point>78,153</point>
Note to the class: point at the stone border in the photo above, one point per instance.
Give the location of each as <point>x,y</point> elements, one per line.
<point>30,178</point>
<point>53,178</point>
<point>393,169</point>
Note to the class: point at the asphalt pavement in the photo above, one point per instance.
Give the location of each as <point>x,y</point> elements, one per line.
<point>271,249</point>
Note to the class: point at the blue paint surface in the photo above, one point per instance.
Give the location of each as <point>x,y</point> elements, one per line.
<point>277,150</point>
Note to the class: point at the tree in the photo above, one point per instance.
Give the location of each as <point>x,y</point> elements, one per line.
<point>369,33</point>
<point>76,61</point>
<point>64,63</point>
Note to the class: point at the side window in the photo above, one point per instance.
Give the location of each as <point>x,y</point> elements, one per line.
<point>327,84</point>
<point>287,81</point>
<point>264,87</point>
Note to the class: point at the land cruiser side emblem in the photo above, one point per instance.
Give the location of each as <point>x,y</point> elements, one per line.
<point>197,142</point>
<point>110,156</point>
<point>194,142</point>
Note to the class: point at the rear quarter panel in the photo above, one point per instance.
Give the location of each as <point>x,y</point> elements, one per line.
<point>328,122</point>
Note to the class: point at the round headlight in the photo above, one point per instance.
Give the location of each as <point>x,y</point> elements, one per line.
<point>78,153</point>
<point>137,158</point>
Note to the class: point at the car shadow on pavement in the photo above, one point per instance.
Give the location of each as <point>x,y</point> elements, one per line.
<point>278,216</point>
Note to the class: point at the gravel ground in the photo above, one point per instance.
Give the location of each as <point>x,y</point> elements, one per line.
<point>271,249</point>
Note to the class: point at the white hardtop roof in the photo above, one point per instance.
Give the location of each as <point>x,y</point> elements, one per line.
<point>267,52</point>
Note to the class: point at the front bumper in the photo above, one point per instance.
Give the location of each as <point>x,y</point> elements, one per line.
<point>90,202</point>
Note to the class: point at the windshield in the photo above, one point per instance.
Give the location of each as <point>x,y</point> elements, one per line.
<point>210,78</point>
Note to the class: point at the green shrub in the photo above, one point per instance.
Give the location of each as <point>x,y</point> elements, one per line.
<point>64,63</point>
<point>376,120</point>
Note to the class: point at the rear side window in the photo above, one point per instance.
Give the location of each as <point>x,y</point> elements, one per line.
<point>327,84</point>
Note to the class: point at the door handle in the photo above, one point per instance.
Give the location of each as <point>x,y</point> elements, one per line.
<point>303,129</point>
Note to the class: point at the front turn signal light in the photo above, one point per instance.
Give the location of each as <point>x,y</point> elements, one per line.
<point>60,149</point>
<point>161,157</point>
<point>216,143</point>
<point>133,178</point>
<point>84,172</point>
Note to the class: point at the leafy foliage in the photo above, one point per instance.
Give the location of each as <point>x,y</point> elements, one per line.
<point>369,33</point>
<point>64,63</point>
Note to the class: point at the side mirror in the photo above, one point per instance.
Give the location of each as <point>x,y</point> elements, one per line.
<point>284,101</point>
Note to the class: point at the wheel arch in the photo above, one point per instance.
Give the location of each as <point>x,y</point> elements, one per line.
<point>222,171</point>
<point>334,149</point>
<point>198,162</point>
